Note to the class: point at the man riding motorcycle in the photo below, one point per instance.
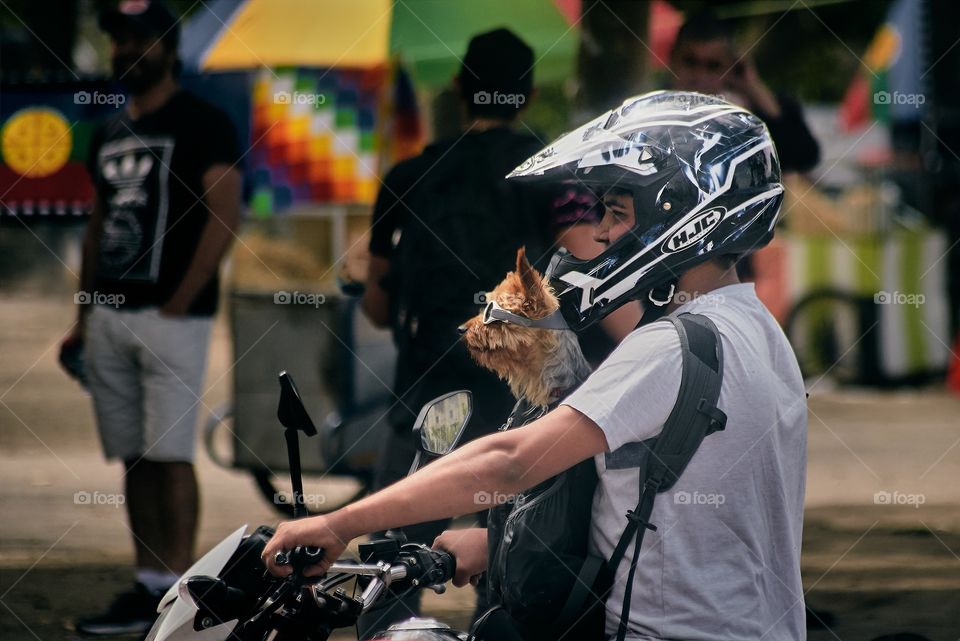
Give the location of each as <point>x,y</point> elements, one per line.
<point>689,183</point>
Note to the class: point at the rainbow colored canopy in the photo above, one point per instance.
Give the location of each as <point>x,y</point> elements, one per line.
<point>429,35</point>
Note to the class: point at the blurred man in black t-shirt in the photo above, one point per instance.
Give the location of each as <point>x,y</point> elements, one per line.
<point>446,228</point>
<point>167,204</point>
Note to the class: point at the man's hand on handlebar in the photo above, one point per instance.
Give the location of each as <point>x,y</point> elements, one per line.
<point>469,548</point>
<point>317,531</point>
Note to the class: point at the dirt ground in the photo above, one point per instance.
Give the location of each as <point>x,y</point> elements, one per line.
<point>870,567</point>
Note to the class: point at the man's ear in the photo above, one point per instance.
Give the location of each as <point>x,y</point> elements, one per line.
<point>529,277</point>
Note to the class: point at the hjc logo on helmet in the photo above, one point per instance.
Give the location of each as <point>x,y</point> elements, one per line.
<point>694,230</point>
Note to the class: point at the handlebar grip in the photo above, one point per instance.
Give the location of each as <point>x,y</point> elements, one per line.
<point>446,563</point>
<point>300,557</point>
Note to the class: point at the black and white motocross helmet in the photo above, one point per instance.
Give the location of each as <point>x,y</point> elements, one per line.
<point>705,180</point>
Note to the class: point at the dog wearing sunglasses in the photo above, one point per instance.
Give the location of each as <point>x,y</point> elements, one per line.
<point>520,337</point>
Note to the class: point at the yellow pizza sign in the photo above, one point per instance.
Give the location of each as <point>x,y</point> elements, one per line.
<point>36,142</point>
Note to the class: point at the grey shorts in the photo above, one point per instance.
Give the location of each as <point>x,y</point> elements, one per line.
<point>146,376</point>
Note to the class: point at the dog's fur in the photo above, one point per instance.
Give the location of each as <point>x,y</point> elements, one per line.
<point>538,364</point>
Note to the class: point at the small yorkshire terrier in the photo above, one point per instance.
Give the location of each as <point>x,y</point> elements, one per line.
<point>540,365</point>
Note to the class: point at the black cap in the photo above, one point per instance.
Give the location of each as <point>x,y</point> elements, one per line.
<point>144,17</point>
<point>496,62</point>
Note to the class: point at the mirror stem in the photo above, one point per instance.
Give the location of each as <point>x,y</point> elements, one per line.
<point>416,463</point>
<point>292,437</point>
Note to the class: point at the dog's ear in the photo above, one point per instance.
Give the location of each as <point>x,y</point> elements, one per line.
<point>521,258</point>
<point>529,277</point>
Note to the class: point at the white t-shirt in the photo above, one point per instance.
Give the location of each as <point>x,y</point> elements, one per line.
<point>724,562</point>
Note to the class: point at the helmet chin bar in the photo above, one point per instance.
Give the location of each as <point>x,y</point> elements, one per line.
<point>660,295</point>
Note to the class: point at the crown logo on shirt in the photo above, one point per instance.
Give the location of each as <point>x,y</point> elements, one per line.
<point>127,170</point>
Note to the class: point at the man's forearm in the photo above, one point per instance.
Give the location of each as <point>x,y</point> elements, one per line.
<point>214,243</point>
<point>88,258</point>
<point>764,100</point>
<point>452,483</point>
<point>462,482</point>
<point>471,477</point>
<point>222,186</point>
<point>376,302</point>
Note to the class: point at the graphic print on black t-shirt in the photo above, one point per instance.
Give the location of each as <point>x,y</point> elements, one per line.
<point>149,176</point>
<point>135,176</point>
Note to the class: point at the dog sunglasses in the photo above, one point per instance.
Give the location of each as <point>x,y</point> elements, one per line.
<point>493,313</point>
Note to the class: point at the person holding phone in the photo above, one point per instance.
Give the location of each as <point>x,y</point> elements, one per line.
<point>704,58</point>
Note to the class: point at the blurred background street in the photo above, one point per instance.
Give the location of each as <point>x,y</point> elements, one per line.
<point>876,568</point>
<point>325,97</point>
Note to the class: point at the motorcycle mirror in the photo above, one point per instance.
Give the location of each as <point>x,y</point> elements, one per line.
<point>294,418</point>
<point>441,422</point>
<point>290,411</point>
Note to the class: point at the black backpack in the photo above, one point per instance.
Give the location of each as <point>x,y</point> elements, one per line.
<point>536,545</point>
<point>463,224</point>
<point>541,575</point>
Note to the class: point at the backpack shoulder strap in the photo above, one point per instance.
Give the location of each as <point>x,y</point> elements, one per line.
<point>695,415</point>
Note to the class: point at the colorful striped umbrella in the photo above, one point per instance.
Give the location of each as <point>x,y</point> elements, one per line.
<point>429,35</point>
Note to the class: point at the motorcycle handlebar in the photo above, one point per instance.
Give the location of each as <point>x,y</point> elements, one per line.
<point>421,567</point>
<point>441,570</point>
<point>416,564</point>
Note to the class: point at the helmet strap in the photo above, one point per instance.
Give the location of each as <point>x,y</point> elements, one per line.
<point>660,296</point>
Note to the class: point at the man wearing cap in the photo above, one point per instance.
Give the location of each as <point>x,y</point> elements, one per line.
<point>166,209</point>
<point>453,179</point>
